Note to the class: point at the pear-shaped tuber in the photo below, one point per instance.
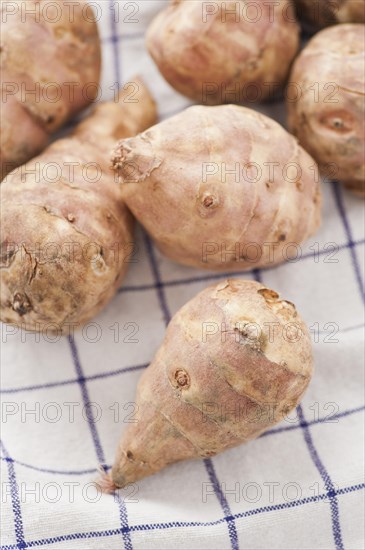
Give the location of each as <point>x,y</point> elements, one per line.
<point>222,188</point>
<point>235,360</point>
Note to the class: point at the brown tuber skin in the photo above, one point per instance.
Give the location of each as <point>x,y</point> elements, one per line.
<point>55,55</point>
<point>209,389</point>
<point>66,240</point>
<point>188,181</point>
<point>214,56</point>
<point>329,116</point>
<point>322,13</point>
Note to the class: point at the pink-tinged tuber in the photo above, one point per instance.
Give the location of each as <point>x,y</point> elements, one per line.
<point>222,188</point>
<point>66,235</point>
<point>225,52</point>
<point>322,13</point>
<point>235,360</point>
<point>50,69</point>
<point>328,117</point>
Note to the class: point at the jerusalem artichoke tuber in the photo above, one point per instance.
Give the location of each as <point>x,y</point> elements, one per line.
<point>235,360</point>
<point>328,117</point>
<point>222,188</point>
<point>66,235</point>
<point>224,52</point>
<point>322,13</point>
<point>50,65</point>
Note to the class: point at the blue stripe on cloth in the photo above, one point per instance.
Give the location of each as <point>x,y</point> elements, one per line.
<point>86,400</point>
<point>115,38</point>
<point>336,527</point>
<point>216,276</point>
<point>249,513</point>
<point>207,462</point>
<point>337,192</point>
<point>326,420</point>
<point>257,275</point>
<point>126,37</point>
<point>156,274</point>
<point>223,502</point>
<point>124,522</point>
<point>52,471</point>
<point>176,524</point>
<point>97,443</point>
<point>15,500</point>
<point>116,372</point>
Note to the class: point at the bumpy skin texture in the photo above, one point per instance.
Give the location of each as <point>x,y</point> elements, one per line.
<point>57,60</point>
<point>203,55</point>
<point>235,360</point>
<point>329,116</point>
<point>322,13</point>
<point>175,179</point>
<point>66,235</point>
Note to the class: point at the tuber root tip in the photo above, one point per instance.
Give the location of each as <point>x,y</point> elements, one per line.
<point>105,482</point>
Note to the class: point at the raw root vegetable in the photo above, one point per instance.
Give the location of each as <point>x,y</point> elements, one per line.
<point>235,360</point>
<point>224,52</point>
<point>328,117</point>
<point>321,13</point>
<point>50,68</point>
<point>222,188</point>
<point>66,236</point>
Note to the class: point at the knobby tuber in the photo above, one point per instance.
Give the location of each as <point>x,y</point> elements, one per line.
<point>322,13</point>
<point>328,117</point>
<point>50,68</point>
<point>235,360</point>
<point>66,235</point>
<point>222,188</point>
<point>224,52</point>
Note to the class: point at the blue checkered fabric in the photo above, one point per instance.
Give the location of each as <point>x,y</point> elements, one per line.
<point>66,401</point>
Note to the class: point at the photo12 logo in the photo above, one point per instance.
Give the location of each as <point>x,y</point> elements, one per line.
<point>52,12</point>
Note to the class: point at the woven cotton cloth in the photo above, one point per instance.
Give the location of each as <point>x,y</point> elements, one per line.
<point>298,486</point>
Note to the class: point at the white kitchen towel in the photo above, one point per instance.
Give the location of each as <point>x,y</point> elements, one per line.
<point>299,486</point>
